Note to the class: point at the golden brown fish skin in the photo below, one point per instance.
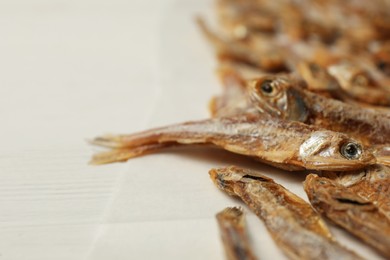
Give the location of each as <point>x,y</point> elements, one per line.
<point>122,155</point>
<point>298,26</point>
<point>382,154</point>
<point>297,229</point>
<point>234,99</point>
<point>265,55</point>
<point>381,57</point>
<point>245,16</point>
<point>272,17</point>
<point>290,102</point>
<point>319,81</point>
<point>371,183</point>
<point>245,72</point>
<point>317,77</point>
<point>283,144</point>
<point>359,84</point>
<point>232,226</point>
<point>346,208</point>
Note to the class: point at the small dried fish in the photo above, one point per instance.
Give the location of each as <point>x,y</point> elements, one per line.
<point>297,229</point>
<point>347,209</point>
<point>242,17</point>
<point>284,144</point>
<point>359,84</point>
<point>281,97</point>
<point>371,183</point>
<point>234,99</point>
<point>298,26</point>
<point>317,77</point>
<point>262,54</point>
<point>243,70</point>
<point>318,80</point>
<point>234,235</point>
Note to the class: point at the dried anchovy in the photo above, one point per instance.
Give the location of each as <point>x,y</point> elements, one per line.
<point>283,144</point>
<point>262,54</point>
<point>281,97</point>
<point>319,81</point>
<point>241,17</point>
<point>371,183</point>
<point>297,229</point>
<point>347,209</point>
<point>234,235</point>
<point>359,84</point>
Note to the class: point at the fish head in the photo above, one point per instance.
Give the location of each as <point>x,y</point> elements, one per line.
<point>328,150</point>
<point>276,95</point>
<point>324,191</point>
<point>225,178</point>
<point>229,178</point>
<point>351,76</point>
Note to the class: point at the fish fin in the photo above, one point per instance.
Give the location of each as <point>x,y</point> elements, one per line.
<point>230,77</point>
<point>122,155</point>
<point>222,49</point>
<point>204,28</point>
<point>111,141</point>
<point>213,106</point>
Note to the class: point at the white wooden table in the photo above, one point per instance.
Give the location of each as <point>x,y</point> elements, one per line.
<point>71,70</point>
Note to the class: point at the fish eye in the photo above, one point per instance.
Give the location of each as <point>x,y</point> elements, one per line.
<point>351,151</point>
<point>314,67</point>
<point>267,88</point>
<point>361,80</point>
<point>381,65</point>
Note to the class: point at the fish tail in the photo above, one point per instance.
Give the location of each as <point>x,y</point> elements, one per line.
<point>220,45</point>
<point>125,147</point>
<point>204,28</point>
<point>184,132</point>
<point>122,155</point>
<point>230,77</point>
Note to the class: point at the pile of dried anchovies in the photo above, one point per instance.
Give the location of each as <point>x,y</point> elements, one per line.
<point>306,85</point>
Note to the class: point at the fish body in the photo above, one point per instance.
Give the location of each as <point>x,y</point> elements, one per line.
<point>297,229</point>
<point>243,17</point>
<point>371,183</point>
<point>232,226</point>
<point>353,212</point>
<point>262,53</point>
<point>234,99</point>
<point>284,144</point>
<point>359,84</point>
<point>288,101</point>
